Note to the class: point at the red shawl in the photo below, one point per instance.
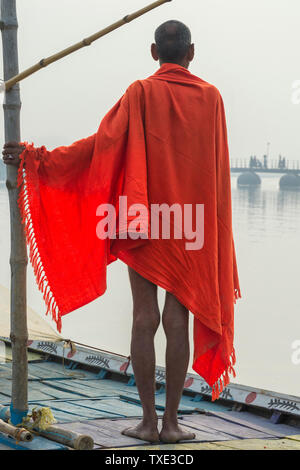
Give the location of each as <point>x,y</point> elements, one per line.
<point>164,141</point>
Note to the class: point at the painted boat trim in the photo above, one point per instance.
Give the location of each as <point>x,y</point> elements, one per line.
<point>235,393</point>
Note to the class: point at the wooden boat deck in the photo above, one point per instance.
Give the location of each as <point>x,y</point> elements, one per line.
<point>85,401</point>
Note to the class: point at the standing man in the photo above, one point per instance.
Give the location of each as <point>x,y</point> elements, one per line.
<point>163,146</point>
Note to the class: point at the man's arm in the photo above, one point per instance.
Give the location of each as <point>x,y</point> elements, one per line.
<point>55,167</point>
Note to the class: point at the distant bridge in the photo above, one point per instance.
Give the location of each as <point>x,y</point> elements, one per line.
<point>241,165</point>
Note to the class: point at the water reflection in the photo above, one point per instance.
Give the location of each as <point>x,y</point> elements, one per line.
<point>288,198</point>
<point>247,196</point>
<point>265,211</point>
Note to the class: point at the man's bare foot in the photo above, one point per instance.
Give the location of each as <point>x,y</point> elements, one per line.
<point>173,433</point>
<point>145,432</point>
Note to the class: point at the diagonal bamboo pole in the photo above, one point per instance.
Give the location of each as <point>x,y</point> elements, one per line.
<point>85,42</point>
<point>18,256</point>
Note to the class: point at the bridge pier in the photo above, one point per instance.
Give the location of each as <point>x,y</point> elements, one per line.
<point>290,181</point>
<point>248,179</point>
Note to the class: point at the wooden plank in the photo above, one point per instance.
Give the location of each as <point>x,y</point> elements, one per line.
<point>52,370</point>
<point>111,406</point>
<point>36,391</point>
<point>202,405</point>
<point>41,391</point>
<point>106,434</point>
<point>212,423</point>
<point>5,387</point>
<point>205,405</point>
<point>178,447</point>
<point>160,401</point>
<point>47,370</point>
<point>6,371</point>
<point>53,392</point>
<point>209,446</point>
<point>110,432</point>
<point>245,444</point>
<point>4,399</point>
<point>257,422</point>
<point>61,386</point>
<point>103,385</point>
<point>77,411</point>
<point>87,388</point>
<point>262,444</point>
<point>80,412</point>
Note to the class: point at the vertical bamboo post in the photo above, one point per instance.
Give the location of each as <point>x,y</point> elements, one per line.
<point>18,256</point>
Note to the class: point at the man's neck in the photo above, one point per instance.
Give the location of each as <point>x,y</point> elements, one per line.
<point>184,64</point>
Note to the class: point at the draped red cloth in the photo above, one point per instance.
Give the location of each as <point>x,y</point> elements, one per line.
<point>164,142</point>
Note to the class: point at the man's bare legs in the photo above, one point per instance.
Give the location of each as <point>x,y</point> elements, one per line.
<point>146,319</point>
<point>175,321</point>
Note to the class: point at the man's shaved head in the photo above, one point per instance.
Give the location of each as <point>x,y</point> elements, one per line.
<point>173,41</point>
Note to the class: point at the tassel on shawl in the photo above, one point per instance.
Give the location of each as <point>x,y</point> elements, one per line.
<point>224,380</point>
<point>34,256</point>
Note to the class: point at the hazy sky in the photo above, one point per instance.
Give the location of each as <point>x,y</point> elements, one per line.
<point>249,49</point>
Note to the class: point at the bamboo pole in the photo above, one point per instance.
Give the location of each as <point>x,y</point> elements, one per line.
<point>68,438</point>
<point>63,436</point>
<point>85,42</point>
<point>20,434</point>
<point>18,255</point>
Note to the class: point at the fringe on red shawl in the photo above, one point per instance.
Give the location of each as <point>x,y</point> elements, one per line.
<point>25,184</point>
<point>224,379</point>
